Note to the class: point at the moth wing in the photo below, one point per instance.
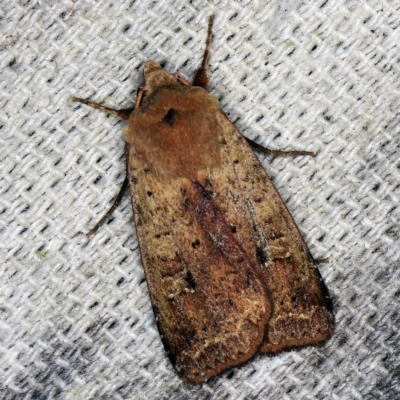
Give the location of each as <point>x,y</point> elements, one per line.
<point>302,312</point>
<point>209,300</point>
<point>227,269</point>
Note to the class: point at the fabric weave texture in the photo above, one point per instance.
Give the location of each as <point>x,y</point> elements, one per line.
<point>75,316</point>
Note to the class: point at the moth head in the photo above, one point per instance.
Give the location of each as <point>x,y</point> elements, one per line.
<point>156,76</point>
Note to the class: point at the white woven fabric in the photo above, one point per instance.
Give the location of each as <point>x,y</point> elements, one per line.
<point>75,316</point>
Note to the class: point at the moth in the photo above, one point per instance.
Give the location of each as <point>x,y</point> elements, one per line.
<point>228,272</point>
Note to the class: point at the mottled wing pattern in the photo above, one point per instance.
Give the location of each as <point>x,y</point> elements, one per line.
<point>209,300</point>
<point>302,312</point>
<point>227,269</point>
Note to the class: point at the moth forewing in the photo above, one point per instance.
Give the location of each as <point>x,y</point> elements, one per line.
<point>302,311</point>
<point>211,304</point>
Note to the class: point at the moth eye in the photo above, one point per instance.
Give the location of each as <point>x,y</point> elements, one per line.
<point>169,117</point>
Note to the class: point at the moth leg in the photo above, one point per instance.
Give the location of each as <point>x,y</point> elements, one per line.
<point>181,80</point>
<point>293,153</point>
<point>321,260</point>
<point>139,95</point>
<point>117,202</point>
<point>201,77</point>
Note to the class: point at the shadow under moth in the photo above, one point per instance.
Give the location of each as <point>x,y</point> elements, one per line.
<point>228,272</point>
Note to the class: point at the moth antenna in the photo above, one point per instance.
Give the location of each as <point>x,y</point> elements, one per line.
<point>208,42</point>
<point>122,114</point>
<point>201,79</point>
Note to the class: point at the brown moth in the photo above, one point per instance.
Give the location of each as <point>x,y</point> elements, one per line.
<point>228,272</point>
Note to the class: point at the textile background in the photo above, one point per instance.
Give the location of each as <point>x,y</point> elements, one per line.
<point>75,315</point>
